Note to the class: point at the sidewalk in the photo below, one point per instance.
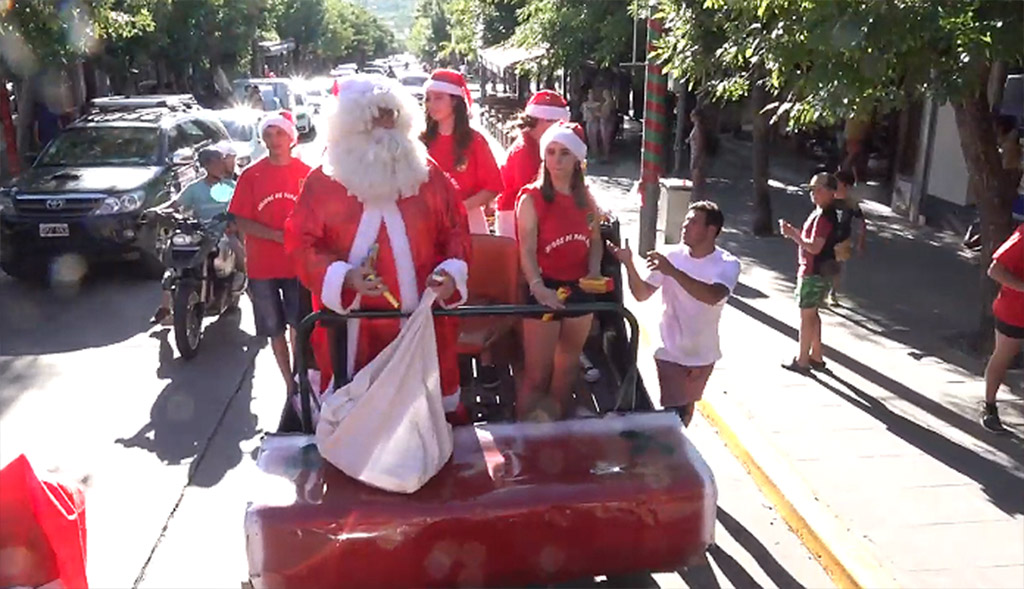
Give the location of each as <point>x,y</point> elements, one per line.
<point>888,443</point>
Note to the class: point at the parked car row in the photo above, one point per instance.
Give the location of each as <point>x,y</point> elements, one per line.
<point>86,191</point>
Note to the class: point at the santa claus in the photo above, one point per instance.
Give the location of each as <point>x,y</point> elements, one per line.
<point>378,223</point>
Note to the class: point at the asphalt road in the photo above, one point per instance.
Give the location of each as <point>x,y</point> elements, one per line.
<point>165,447</point>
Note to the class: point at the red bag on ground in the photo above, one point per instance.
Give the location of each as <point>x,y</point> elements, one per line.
<point>42,535</point>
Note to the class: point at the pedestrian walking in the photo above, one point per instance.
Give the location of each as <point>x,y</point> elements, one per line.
<point>264,198</point>
<point>700,277</point>
<point>461,151</point>
<point>591,110</point>
<point>1007,269</point>
<point>849,215</point>
<point>817,264</point>
<point>609,114</point>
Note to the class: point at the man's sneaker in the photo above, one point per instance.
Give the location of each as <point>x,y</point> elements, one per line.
<point>990,421</point>
<point>161,317</point>
<point>487,376</point>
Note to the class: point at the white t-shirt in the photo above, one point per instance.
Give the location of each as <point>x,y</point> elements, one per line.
<point>689,328</point>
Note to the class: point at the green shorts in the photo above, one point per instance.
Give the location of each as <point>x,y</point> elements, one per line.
<point>811,291</point>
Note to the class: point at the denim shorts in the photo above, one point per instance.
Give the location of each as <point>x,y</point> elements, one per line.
<point>275,304</point>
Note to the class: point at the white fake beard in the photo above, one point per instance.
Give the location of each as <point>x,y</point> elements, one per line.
<point>378,167</point>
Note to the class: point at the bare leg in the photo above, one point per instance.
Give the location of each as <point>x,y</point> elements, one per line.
<point>284,362</point>
<point>817,349</point>
<point>566,367</point>
<point>809,331</point>
<point>1002,357</point>
<point>539,339</point>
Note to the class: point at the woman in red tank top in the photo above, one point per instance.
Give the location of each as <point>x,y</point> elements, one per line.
<point>462,152</point>
<point>559,244</point>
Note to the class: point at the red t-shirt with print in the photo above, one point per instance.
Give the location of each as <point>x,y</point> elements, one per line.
<point>1009,304</point>
<point>266,194</point>
<point>478,172</point>
<point>819,223</point>
<point>563,234</point>
<point>522,165</point>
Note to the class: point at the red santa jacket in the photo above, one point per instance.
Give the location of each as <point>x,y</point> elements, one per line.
<point>331,231</point>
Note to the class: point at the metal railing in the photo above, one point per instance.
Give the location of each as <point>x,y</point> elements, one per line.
<point>330,318</point>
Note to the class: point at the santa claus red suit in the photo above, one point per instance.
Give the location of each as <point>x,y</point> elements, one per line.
<point>378,191</point>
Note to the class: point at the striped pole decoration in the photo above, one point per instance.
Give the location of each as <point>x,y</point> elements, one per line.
<point>653,154</point>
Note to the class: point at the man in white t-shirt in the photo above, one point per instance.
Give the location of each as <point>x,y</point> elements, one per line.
<point>696,278</point>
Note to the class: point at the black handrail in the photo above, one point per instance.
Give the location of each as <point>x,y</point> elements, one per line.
<point>328,317</point>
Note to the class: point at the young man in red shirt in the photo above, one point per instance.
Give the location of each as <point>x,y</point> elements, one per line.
<point>1008,270</point>
<point>263,200</point>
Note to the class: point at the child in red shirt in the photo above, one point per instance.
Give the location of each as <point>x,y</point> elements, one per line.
<point>1007,269</point>
<point>522,163</point>
<point>462,152</point>
<point>263,200</point>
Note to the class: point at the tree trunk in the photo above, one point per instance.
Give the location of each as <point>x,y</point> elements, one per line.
<point>763,221</point>
<point>992,189</point>
<point>10,133</point>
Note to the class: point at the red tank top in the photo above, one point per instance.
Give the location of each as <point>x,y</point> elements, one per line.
<point>563,235</point>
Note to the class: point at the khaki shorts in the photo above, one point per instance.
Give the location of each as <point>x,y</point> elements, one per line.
<point>681,385</point>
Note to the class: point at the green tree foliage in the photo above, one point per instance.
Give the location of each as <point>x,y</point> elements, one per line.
<point>431,35</point>
<point>576,32</point>
<point>476,24</point>
<point>842,58</point>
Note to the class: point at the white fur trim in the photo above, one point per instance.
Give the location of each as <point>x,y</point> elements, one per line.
<point>334,282</point>
<point>279,121</point>
<point>447,88</point>
<point>548,113</point>
<point>366,235</point>
<point>459,270</point>
<point>566,137</point>
<point>505,223</point>
<point>375,165</point>
<point>451,402</point>
<point>404,265</point>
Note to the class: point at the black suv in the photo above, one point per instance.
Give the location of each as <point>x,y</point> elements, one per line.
<point>87,190</point>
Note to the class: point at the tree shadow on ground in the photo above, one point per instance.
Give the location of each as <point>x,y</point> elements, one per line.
<point>193,406</point>
<point>1000,484</point>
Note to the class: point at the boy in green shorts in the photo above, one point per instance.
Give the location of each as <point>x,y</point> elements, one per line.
<point>817,264</point>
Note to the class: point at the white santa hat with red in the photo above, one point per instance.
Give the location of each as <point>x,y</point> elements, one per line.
<point>283,119</point>
<point>448,82</point>
<point>568,134</point>
<point>548,105</point>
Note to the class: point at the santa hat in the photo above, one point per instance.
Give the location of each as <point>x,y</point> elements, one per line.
<point>568,134</point>
<point>548,105</point>
<point>283,119</point>
<point>449,82</point>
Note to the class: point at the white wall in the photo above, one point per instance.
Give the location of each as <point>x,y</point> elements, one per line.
<point>947,177</point>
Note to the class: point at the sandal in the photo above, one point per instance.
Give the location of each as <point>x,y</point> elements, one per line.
<point>818,365</point>
<point>795,366</point>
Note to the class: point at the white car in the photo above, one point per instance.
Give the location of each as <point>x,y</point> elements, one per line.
<point>303,110</point>
<point>243,126</point>
<point>413,82</point>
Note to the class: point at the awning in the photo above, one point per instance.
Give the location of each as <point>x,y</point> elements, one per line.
<point>271,48</point>
<point>504,55</point>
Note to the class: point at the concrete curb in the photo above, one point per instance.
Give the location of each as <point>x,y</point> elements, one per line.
<point>843,556</point>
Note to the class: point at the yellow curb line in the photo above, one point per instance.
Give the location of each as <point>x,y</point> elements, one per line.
<point>839,553</point>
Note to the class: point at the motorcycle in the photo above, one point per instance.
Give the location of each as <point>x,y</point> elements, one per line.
<point>201,275</point>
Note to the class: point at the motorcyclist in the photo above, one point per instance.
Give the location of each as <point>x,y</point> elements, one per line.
<point>204,199</point>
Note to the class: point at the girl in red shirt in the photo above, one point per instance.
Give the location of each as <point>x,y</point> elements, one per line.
<point>1007,269</point>
<point>522,162</point>
<point>559,244</point>
<point>459,150</point>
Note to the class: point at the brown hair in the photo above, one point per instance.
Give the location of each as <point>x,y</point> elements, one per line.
<point>577,187</point>
<point>713,216</point>
<point>524,122</point>
<point>463,132</point>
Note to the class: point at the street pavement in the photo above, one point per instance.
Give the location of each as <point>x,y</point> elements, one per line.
<point>165,448</point>
<point>888,442</point>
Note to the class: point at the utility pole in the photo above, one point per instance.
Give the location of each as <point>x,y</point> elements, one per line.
<point>653,155</point>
